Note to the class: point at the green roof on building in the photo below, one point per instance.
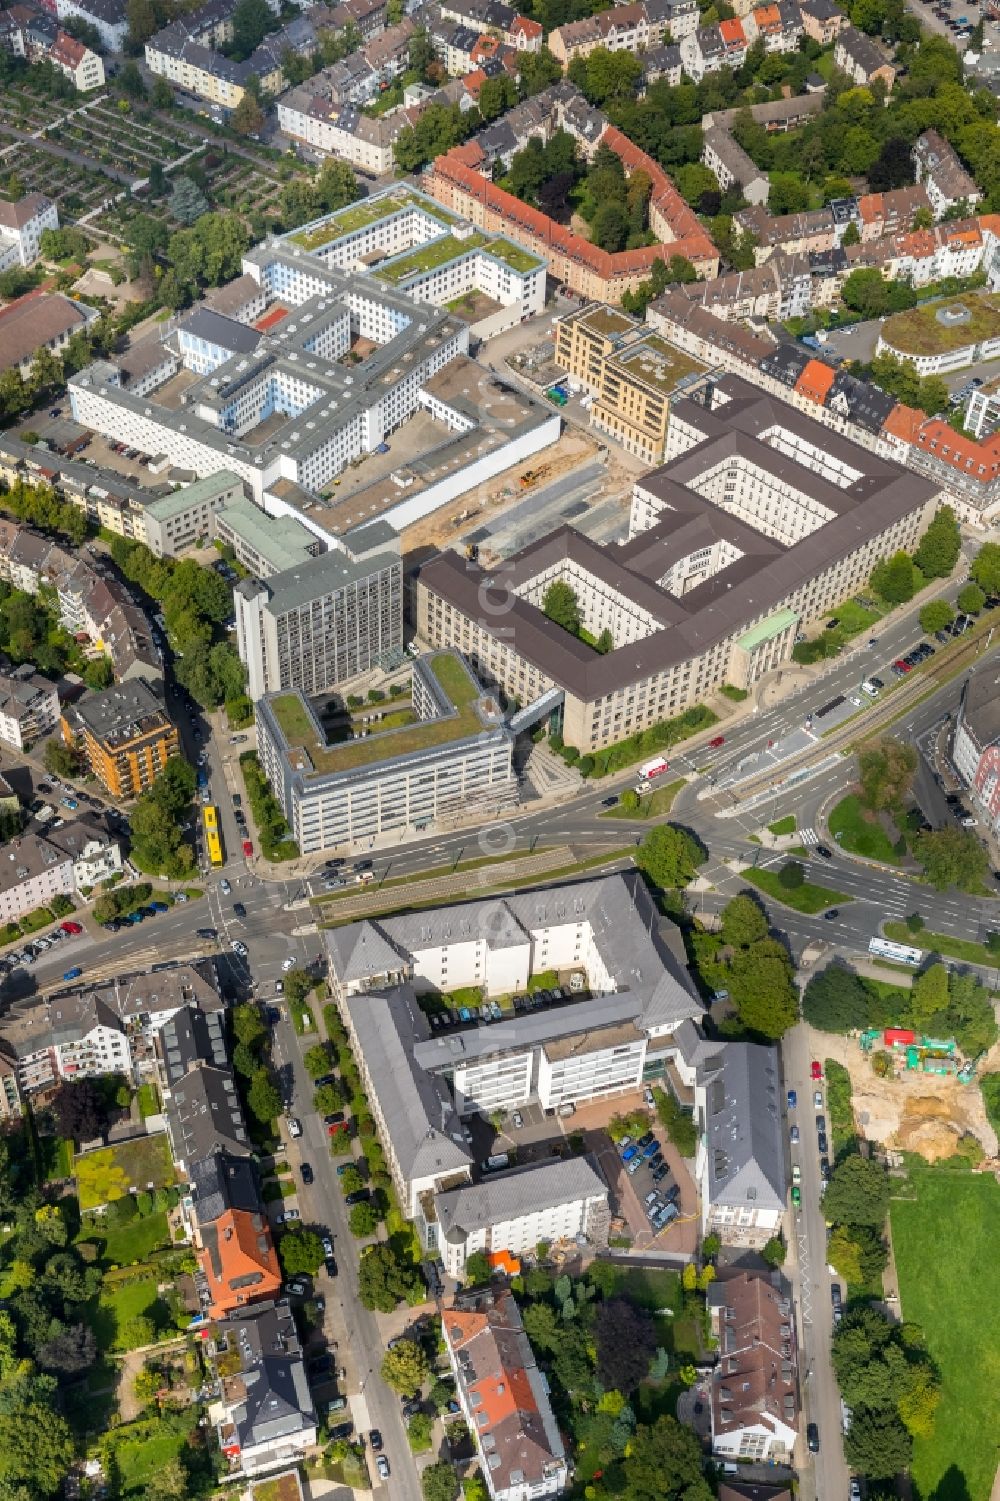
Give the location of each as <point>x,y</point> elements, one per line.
<point>191,495</point>
<point>766,630</point>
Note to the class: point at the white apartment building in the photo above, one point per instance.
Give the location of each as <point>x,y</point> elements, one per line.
<point>82,66</point>
<point>332,411</point>
<point>34,868</point>
<point>22,225</point>
<point>740,1164</point>
<point>174,522</point>
<point>108,16</point>
<point>603,930</point>
<point>29,707</point>
<point>71,1036</point>
<point>559,1201</point>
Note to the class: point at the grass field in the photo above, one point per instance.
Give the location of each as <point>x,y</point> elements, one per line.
<point>786,825</point>
<point>945,1240</point>
<point>149,1100</point>
<point>806,898</point>
<point>657,805</point>
<point>128,1243</point>
<point>941,943</point>
<point>857,834</point>
<point>109,1173</point>
<point>119,1304</point>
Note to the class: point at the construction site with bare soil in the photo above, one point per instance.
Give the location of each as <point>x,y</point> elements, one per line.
<point>911,1111</point>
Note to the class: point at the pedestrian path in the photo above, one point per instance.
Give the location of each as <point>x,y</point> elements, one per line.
<point>808,836</point>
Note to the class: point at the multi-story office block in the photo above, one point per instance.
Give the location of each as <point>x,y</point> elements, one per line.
<point>452,751</point>
<point>325,620</point>
<point>759,523</point>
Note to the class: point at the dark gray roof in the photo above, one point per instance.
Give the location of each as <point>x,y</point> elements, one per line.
<point>527,1190</point>
<point>222,1182</point>
<point>204,1114</point>
<point>980,711</point>
<point>745,1146</point>
<point>189,1037</point>
<point>425,1133</point>
<point>215,328</point>
<point>733,599</point>
<point>270,1399</point>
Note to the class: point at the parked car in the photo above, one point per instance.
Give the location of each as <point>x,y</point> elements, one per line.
<point>71,927</point>
<point>815,1069</point>
<point>793,1099</point>
<point>382,1465</point>
<point>817,1099</point>
<point>719,740</point>
<point>307,1173</point>
<point>375,1439</point>
<point>793,1135</point>
<point>74,973</point>
<point>812,1438</point>
<point>294,1128</point>
<point>239,910</point>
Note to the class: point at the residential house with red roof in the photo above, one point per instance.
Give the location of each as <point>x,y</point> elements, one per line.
<point>754,1392</point>
<point>503,1398</point>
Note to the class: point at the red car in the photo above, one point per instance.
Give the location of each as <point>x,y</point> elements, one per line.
<point>719,740</point>
<point>71,927</point>
<point>247,848</point>
<point>901,665</point>
<point>816,1070</point>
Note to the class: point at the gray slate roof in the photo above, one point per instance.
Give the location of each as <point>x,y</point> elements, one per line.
<point>275,1401</point>
<point>746,1159</point>
<point>505,1196</point>
<point>420,1119</point>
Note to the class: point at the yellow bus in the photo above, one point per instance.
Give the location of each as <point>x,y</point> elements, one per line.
<point>213,839</point>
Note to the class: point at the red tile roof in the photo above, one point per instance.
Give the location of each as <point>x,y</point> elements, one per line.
<point>732,32</point>
<point>903,422</point>
<point>527,26</point>
<point>684,235</point>
<point>815,381</point>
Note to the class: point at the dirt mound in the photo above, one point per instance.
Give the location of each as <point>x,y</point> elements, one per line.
<point>928,1127</point>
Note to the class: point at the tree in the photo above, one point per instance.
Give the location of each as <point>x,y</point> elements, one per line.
<point>877,1444</point>
<point>363,1219</point>
<point>626,1341</point>
<point>985,569</point>
<point>761,985</point>
<point>952,857</point>
<point>187,201</point>
<point>351,1181</point>
<point>247,118</point>
<point>142,22</point>
<point>857,1193</point>
<point>252,20</point>
<point>384,1279</point>
<point>836,1000</point>
<point>131,82</point>
<point>73,1349</point>
<point>918,1405</point>
<point>774,1251</point>
<point>792,875</point>
<point>263,1099</point>
<point>161,96</point>
<point>744,921</point>
<point>405,1367</point>
<point>316,1059</point>
<point>300,1251</point>
<point>670,856</point>
<point>971,599</point>
<point>477,1269</point>
<point>137,1332</point>
<point>665,1464</point>
<point>61,759</point>
<point>940,545</point>
<point>438,1482</point>
<point>248,1025</point>
<point>893,579</point>
<point>886,773</point>
<point>170,1483</point>
<point>561,606</point>
<point>629,800</point>
<point>936,616</point>
<point>37,1448</point>
<point>79,1110</point>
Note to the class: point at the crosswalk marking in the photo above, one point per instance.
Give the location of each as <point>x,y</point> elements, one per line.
<point>809,836</point>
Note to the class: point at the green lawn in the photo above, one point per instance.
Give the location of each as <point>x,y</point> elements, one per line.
<point>945,1240</point>
<point>785,825</point>
<point>858,834</point>
<point>110,1172</point>
<point>806,898</point>
<point>941,943</point>
<point>656,806</point>
<point>119,1304</point>
<point>126,1244</point>
<point>149,1100</point>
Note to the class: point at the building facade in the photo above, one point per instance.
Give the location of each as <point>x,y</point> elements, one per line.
<point>732,551</point>
<point>29,707</point>
<point>976,744</point>
<point>321,622</point>
<point>454,753</point>
<point>124,735</point>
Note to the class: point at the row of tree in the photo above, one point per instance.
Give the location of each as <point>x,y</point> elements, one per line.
<point>942,1002</point>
